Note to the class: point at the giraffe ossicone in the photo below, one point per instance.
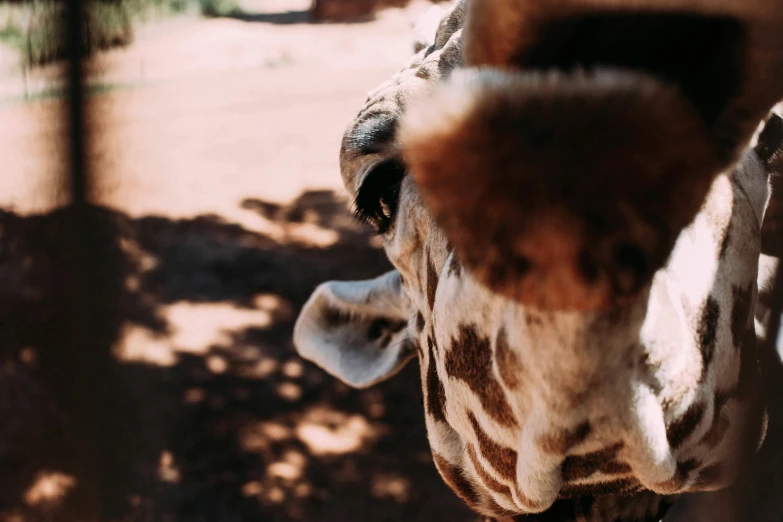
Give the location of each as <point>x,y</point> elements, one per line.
<point>575,216</point>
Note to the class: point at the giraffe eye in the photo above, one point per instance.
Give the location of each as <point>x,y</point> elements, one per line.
<point>377,197</point>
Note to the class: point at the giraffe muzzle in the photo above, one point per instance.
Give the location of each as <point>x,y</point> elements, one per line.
<point>560,190</point>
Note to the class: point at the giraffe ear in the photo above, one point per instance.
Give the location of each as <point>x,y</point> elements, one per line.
<point>357,331</point>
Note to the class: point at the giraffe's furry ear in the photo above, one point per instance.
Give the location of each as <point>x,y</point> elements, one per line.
<point>357,331</point>
<point>720,53</point>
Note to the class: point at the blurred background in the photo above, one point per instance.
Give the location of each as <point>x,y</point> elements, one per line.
<point>146,365</point>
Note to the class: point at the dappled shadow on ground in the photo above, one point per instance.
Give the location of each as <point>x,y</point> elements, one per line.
<point>282,18</point>
<point>334,12</point>
<point>204,411</point>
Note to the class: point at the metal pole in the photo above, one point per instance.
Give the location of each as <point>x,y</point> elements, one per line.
<point>83,359</point>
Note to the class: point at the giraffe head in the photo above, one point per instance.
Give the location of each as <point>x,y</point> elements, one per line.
<point>574,226</point>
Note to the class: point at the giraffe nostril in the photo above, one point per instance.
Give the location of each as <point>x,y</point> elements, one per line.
<point>632,266</point>
<point>588,267</point>
<point>521,265</point>
<point>597,222</point>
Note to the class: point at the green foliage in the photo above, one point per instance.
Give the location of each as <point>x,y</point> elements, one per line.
<point>11,34</point>
<point>44,40</point>
<point>34,27</point>
<point>218,7</point>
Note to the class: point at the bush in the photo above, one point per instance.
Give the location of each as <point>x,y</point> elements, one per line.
<point>35,27</point>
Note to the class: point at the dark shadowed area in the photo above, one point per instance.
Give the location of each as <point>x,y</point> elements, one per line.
<point>217,208</point>
<point>234,428</point>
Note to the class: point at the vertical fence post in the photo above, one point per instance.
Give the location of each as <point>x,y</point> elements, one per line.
<point>85,353</point>
<point>74,32</point>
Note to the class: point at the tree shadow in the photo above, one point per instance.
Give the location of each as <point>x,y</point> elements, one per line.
<point>358,15</point>
<point>203,420</point>
<point>282,18</point>
<point>205,412</point>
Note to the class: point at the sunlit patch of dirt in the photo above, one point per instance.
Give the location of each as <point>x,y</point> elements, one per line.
<point>291,467</point>
<point>28,356</point>
<point>167,469</point>
<point>391,485</point>
<point>49,488</point>
<point>323,430</point>
<point>289,391</point>
<point>258,437</point>
<point>313,235</point>
<point>328,432</point>
<point>193,328</point>
<point>207,406</point>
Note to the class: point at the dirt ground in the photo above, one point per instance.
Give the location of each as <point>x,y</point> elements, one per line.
<point>219,206</point>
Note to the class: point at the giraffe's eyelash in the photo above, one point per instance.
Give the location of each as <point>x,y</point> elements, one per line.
<point>377,198</point>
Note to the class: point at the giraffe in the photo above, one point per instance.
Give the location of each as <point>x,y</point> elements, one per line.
<point>575,226</point>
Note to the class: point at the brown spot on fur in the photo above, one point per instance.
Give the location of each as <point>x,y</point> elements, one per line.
<point>533,320</point>
<point>614,487</point>
<point>494,507</point>
<point>710,475</point>
<point>432,282</point>
<point>560,443</point>
<point>685,468</point>
<point>419,330</point>
<point>681,475</point>
<point>508,363</point>
<point>454,478</point>
<point>485,477</point>
<point>740,311</point>
<point>470,360</point>
<point>436,395</point>
<point>419,322</point>
<point>720,423</point>
<point>423,73</point>
<point>680,429</point>
<point>717,431</point>
<point>707,331</point>
<point>504,460</point>
<point>455,267</point>
<point>529,504</point>
<point>577,467</point>
<point>721,398</point>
